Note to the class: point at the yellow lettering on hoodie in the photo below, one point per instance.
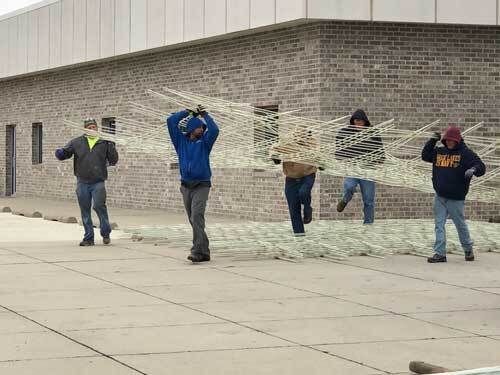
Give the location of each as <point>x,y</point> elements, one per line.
<point>448,161</point>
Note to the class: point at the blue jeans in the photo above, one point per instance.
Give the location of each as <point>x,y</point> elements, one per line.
<point>442,208</point>
<point>87,193</point>
<point>298,193</point>
<point>367,193</point>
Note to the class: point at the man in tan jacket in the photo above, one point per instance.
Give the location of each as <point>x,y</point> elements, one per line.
<point>300,175</point>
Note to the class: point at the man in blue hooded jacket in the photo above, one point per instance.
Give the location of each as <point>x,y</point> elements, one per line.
<point>193,150</point>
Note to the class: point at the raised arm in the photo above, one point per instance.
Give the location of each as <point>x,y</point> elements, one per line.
<point>173,126</point>
<point>429,151</point>
<point>212,132</point>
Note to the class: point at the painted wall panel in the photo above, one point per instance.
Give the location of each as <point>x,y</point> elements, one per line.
<point>238,15</point>
<point>55,35</point>
<point>138,25</point>
<point>67,30</point>
<point>22,43</point>
<point>11,57</point>
<point>262,12</point>
<point>32,41</point>
<point>407,11</point>
<point>215,17</point>
<point>4,48</point>
<point>79,30</point>
<point>287,10</point>
<point>194,19</point>
<point>93,29</point>
<point>107,42</point>
<point>340,9</point>
<point>174,15</point>
<point>480,12</point>
<point>156,23</point>
<point>122,26</point>
<point>43,37</point>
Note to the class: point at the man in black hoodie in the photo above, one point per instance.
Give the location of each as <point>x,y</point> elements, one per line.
<point>91,158</point>
<point>355,144</point>
<point>452,170</point>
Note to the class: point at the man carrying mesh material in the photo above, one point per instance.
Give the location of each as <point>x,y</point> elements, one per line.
<point>193,150</point>
<point>355,144</point>
<point>91,159</point>
<point>299,176</point>
<point>452,169</point>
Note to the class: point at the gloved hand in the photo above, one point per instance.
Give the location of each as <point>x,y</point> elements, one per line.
<point>201,110</point>
<point>60,154</point>
<point>192,113</point>
<point>276,161</point>
<point>470,172</point>
<point>436,136</point>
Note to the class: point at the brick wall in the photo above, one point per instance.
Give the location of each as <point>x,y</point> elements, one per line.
<point>411,72</point>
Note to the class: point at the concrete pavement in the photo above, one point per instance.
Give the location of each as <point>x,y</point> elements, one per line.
<point>137,308</point>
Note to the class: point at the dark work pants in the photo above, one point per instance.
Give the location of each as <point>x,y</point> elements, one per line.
<point>195,202</point>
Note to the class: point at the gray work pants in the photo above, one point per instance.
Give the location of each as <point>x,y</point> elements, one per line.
<point>195,202</point>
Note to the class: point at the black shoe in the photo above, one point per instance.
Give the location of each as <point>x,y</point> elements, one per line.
<point>106,240</point>
<point>87,243</point>
<point>436,258</point>
<point>308,215</point>
<point>198,258</point>
<point>341,205</point>
<point>469,256</point>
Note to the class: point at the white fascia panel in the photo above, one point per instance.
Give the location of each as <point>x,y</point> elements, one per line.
<point>22,43</point>
<point>476,12</point>
<point>138,25</point>
<point>32,41</point>
<point>262,13</point>
<point>215,17</point>
<point>289,10</point>
<point>11,56</point>
<point>156,23</point>
<point>93,30</point>
<point>55,35</point>
<point>194,18</point>
<point>67,31</point>
<point>107,42</point>
<point>407,11</point>
<point>174,16</point>
<point>340,9</point>
<point>122,26</point>
<point>79,31</point>
<point>43,38</point>
<point>238,15</point>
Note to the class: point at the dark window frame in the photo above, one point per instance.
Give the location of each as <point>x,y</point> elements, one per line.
<point>37,143</point>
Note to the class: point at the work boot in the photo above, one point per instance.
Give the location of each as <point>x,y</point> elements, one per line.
<point>308,215</point>
<point>341,205</point>
<point>469,256</point>
<point>106,240</point>
<point>87,243</point>
<point>436,258</point>
<point>198,258</point>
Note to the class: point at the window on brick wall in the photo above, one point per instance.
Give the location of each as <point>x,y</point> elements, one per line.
<point>265,134</point>
<point>36,142</point>
<point>109,125</point>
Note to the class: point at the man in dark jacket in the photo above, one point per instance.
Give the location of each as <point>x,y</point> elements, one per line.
<point>452,170</point>
<point>193,150</point>
<point>354,143</point>
<point>91,157</point>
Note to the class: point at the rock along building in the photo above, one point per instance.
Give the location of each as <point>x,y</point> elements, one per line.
<point>413,60</point>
